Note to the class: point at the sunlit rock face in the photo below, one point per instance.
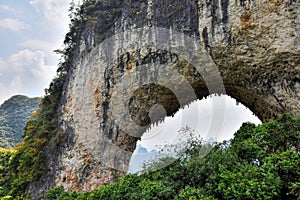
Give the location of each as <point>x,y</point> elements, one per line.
<point>161,55</point>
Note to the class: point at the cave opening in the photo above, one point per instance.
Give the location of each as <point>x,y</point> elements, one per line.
<point>212,119</point>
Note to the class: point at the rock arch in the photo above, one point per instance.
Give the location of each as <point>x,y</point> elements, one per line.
<point>255,49</point>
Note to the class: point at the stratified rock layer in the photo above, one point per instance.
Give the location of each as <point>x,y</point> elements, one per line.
<point>113,91</point>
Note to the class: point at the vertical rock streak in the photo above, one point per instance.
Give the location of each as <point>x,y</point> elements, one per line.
<point>255,45</point>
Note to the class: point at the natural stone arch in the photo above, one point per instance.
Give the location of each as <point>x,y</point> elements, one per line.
<point>256,52</point>
<point>165,69</point>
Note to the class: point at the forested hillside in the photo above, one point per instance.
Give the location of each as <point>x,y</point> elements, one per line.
<point>14,114</point>
<point>258,163</point>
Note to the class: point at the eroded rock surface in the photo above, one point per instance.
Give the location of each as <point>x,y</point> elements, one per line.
<point>114,88</point>
<point>256,46</point>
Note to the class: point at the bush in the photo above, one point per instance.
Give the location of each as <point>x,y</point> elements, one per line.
<point>254,165</point>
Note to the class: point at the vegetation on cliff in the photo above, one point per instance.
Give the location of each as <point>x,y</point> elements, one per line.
<point>14,114</point>
<point>27,161</point>
<point>258,163</point>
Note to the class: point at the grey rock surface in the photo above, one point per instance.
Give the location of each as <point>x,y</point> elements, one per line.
<point>142,72</point>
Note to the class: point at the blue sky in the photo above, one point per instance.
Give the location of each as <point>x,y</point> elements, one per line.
<point>29,32</point>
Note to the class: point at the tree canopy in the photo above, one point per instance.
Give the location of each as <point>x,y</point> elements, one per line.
<point>258,163</point>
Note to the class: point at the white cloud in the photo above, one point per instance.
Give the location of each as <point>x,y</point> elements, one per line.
<point>53,10</point>
<point>16,83</point>
<point>29,71</point>
<point>39,45</point>
<point>45,46</point>
<point>13,24</point>
<point>26,59</point>
<point>26,74</point>
<point>3,63</point>
<point>33,65</point>
<point>6,8</point>
<point>3,67</point>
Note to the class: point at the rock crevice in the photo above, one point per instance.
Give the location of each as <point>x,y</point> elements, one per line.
<point>255,46</point>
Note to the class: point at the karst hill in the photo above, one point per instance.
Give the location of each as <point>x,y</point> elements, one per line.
<point>128,64</point>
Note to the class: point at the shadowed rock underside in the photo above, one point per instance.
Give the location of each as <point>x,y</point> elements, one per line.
<point>115,88</point>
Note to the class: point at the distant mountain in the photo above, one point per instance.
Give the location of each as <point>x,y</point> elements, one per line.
<point>14,113</point>
<point>142,155</point>
<point>141,149</point>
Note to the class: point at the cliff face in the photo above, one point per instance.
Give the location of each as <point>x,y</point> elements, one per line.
<point>107,100</point>
<point>158,56</point>
<point>255,44</point>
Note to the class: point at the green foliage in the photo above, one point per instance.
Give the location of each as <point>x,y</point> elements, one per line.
<point>254,165</point>
<point>92,16</point>
<point>26,162</point>
<point>58,193</point>
<point>14,113</point>
<point>259,163</point>
<point>192,193</point>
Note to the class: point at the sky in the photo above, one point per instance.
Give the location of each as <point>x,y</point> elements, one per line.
<point>216,117</point>
<point>30,30</point>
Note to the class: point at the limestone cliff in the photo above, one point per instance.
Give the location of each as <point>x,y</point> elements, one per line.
<point>156,56</point>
